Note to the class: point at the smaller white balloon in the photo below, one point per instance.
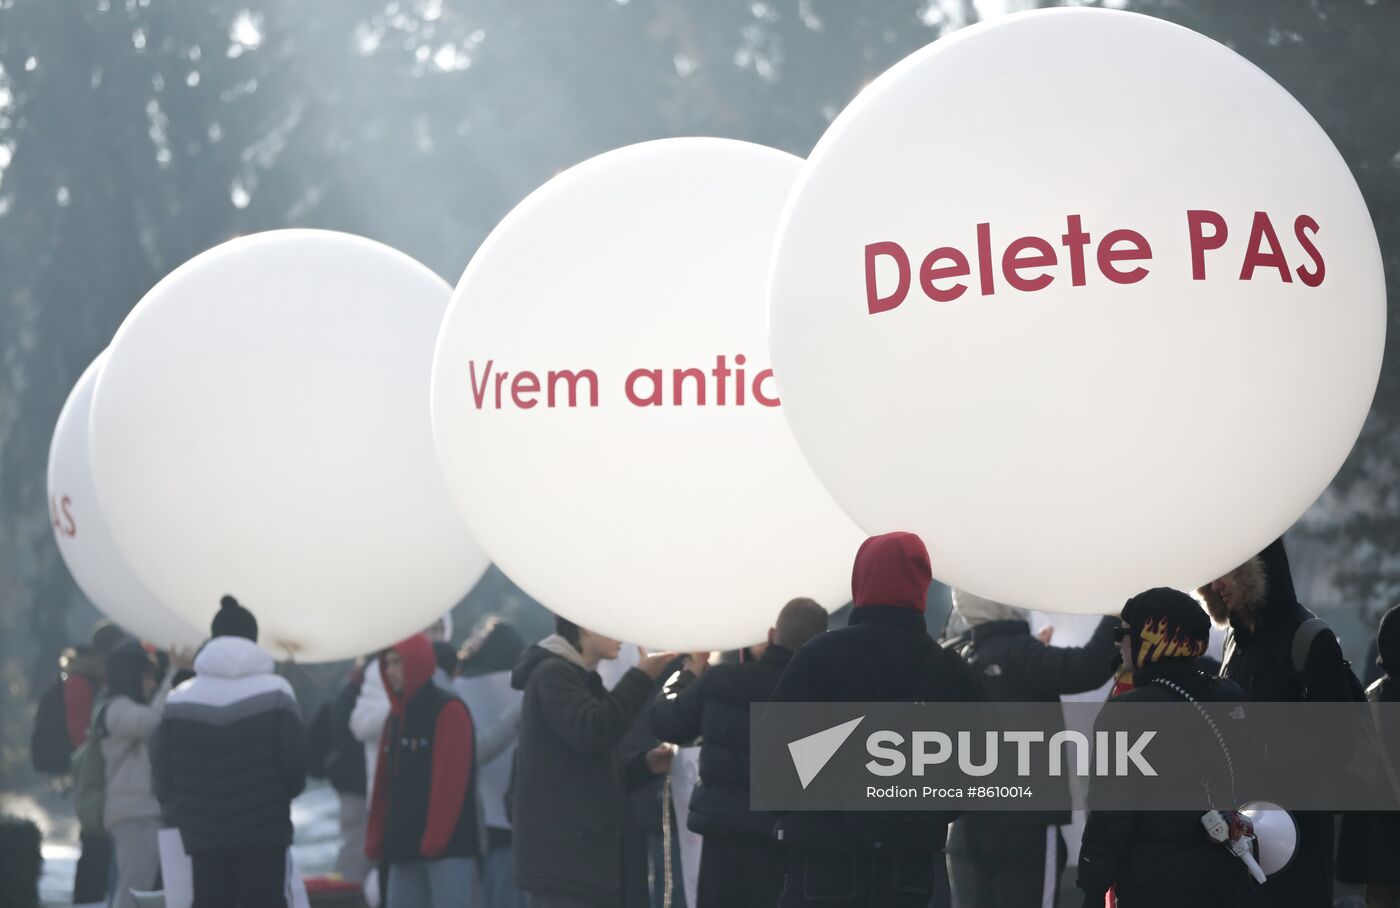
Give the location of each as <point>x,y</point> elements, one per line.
<point>261,428</point>
<point>84,539</point>
<point>604,409</point>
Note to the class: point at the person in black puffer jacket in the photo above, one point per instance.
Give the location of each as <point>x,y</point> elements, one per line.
<point>741,864</point>
<point>1258,601</point>
<point>1371,840</point>
<point>880,858</point>
<point>1163,859</point>
<point>1005,859</point>
<point>229,757</point>
<point>570,779</point>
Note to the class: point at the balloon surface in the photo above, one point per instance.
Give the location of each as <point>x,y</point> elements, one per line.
<point>84,539</point>
<point>261,429</point>
<point>605,413</point>
<point>1083,298</point>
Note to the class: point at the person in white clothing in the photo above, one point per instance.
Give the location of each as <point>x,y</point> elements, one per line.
<point>483,681</point>
<point>129,719</point>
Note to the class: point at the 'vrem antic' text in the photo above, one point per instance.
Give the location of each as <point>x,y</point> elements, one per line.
<point>722,386</point>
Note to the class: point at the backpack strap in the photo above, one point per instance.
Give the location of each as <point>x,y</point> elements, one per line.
<point>1303,639</point>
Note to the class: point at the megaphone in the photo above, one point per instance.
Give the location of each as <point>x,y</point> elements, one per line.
<point>1276,832</point>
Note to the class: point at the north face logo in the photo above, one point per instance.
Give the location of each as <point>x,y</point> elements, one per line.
<point>812,753</point>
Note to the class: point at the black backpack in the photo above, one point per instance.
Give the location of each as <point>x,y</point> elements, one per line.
<point>50,748</point>
<point>1303,639</point>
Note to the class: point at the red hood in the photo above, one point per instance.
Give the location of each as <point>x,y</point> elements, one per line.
<point>892,569</point>
<point>419,663</point>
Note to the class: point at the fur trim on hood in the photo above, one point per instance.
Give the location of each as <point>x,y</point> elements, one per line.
<point>551,647</point>
<point>1263,587</point>
<point>564,649</point>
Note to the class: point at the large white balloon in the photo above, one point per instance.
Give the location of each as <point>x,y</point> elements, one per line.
<point>84,539</point>
<point>261,429</point>
<point>668,507</point>
<point>1083,298</point>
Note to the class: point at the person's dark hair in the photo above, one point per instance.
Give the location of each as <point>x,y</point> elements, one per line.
<point>1388,641</point>
<point>446,655</point>
<point>127,667</point>
<point>567,629</point>
<point>799,621</point>
<point>494,647</point>
<point>106,637</point>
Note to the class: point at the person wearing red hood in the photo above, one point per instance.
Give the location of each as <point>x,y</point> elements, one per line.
<point>423,818</point>
<point>884,655</point>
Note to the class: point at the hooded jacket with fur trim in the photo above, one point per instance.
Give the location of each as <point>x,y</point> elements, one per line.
<point>1260,660</point>
<point>231,751</point>
<point>424,805</point>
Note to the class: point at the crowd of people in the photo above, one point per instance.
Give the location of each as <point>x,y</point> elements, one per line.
<point>503,775</point>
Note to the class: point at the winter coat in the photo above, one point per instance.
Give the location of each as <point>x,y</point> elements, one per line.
<point>570,779</point>
<point>715,708</point>
<point>424,805</point>
<point>1015,667</point>
<point>1261,662</point>
<point>884,655</point>
<point>1161,858</point>
<point>367,720</point>
<point>231,751</point>
<point>371,711</point>
<point>483,682</point>
<point>344,759</point>
<point>128,728</point>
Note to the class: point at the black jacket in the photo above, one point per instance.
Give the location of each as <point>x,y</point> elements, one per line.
<point>1015,667</point>
<point>1160,858</point>
<point>715,708</point>
<point>1261,662</point>
<point>884,655</point>
<point>336,754</point>
<point>1370,841</point>
<point>231,751</point>
<point>570,779</point>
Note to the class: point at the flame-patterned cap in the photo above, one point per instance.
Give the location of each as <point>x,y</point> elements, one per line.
<point>1166,624</point>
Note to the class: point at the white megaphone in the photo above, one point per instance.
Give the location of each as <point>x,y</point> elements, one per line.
<point>1276,832</point>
